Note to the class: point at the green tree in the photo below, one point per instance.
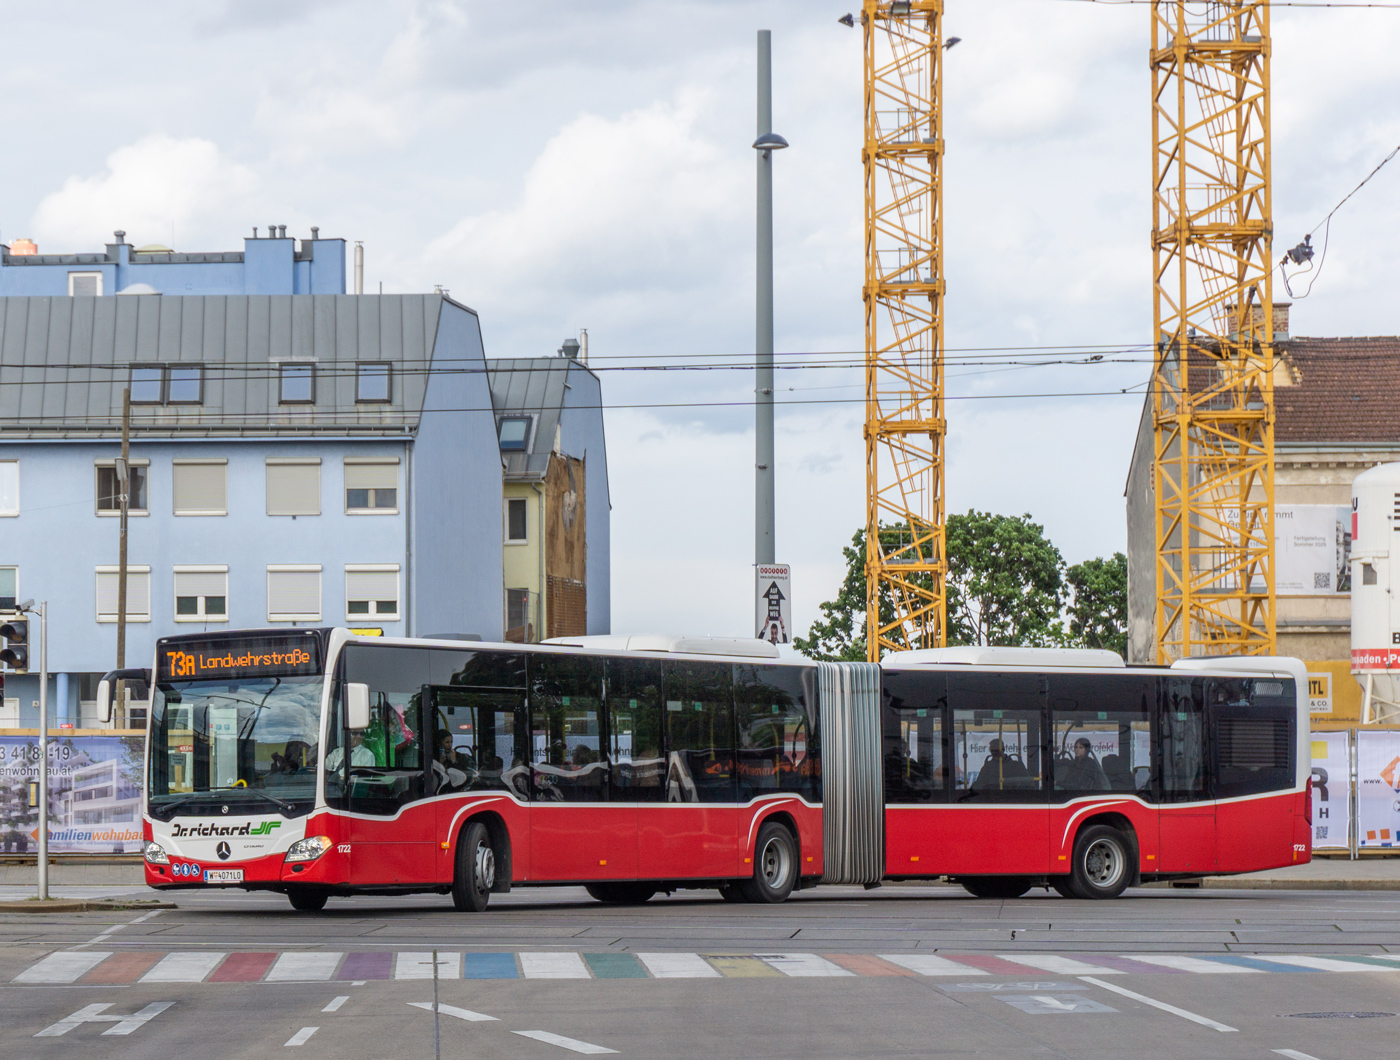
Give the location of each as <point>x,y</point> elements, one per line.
<point>1005,582</point>
<point>1005,586</point>
<point>1098,606</point>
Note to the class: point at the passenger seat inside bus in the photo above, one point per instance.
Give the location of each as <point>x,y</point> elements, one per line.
<point>1119,777</point>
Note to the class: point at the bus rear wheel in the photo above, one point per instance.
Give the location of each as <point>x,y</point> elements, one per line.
<point>621,893</point>
<point>1101,863</point>
<point>475,872</point>
<point>307,901</point>
<point>774,866</point>
<point>996,886</point>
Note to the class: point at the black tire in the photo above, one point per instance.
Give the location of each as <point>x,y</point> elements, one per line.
<point>1102,865</point>
<point>1064,886</point>
<point>774,866</point>
<point>621,893</point>
<point>475,872</point>
<point>307,901</point>
<point>730,892</point>
<point>996,886</point>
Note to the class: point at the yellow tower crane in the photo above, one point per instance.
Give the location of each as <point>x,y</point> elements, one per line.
<point>1213,401</point>
<point>905,561</point>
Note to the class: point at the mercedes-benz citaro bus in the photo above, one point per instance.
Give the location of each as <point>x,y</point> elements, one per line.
<point>318,762</point>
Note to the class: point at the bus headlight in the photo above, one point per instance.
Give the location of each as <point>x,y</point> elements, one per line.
<point>155,855</point>
<point>309,849</point>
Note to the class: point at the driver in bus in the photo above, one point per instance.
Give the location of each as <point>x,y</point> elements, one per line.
<point>291,763</point>
<point>360,755</point>
<point>999,768</point>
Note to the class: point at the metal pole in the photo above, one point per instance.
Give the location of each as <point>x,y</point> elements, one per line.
<point>764,504</point>
<point>43,751</point>
<point>124,486</point>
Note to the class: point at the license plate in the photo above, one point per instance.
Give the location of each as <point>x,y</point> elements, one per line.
<point>223,875</point>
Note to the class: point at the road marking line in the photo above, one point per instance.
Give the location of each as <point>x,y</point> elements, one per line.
<point>743,966</point>
<point>66,967</point>
<point>139,1019</point>
<point>677,966</point>
<point>1293,1054</point>
<point>615,966</point>
<point>148,916</point>
<point>102,937</point>
<point>1326,964</point>
<point>563,1043</point>
<point>452,1010</point>
<point>335,1004</point>
<point>1193,964</point>
<point>243,968</point>
<point>803,965</point>
<point>1202,1020</point>
<point>928,964</point>
<point>1046,962</point>
<point>414,965</point>
<point>489,966</point>
<point>302,1036</point>
<point>99,1014</point>
<point>183,968</point>
<point>553,966</point>
<point>864,964</point>
<point>304,967</point>
<point>121,968</point>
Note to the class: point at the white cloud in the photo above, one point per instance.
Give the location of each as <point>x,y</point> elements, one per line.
<point>146,187</point>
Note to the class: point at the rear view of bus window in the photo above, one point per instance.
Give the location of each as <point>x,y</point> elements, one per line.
<point>1101,736</point>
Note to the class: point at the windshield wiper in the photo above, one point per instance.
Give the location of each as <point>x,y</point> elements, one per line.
<point>286,807</point>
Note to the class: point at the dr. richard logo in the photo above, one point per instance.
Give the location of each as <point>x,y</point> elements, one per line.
<point>181,831</point>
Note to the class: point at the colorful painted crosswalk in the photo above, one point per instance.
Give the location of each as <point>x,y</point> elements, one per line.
<point>107,968</point>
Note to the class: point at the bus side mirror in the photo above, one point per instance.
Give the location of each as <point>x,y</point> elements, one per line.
<point>104,702</point>
<point>357,705</point>
<point>137,687</point>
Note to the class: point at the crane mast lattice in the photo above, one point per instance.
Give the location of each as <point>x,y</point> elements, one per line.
<point>905,562</point>
<point>1213,402</point>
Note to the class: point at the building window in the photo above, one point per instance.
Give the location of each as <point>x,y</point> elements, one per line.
<point>297,382</point>
<point>184,384</point>
<point>201,594</point>
<point>147,384</point>
<point>84,284</point>
<point>372,592</point>
<point>518,629</point>
<point>514,433</point>
<point>138,594</point>
<point>167,384</point>
<point>293,487</point>
<point>9,487</point>
<point>294,593</point>
<point>372,381</point>
<point>109,496</point>
<point>9,588</point>
<point>516,524</point>
<point>372,486</point>
<point>200,487</point>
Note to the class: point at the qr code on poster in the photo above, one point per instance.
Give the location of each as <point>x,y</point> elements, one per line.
<point>1322,581</point>
<point>1321,831</point>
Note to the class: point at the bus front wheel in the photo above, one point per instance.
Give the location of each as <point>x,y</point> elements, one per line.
<point>307,901</point>
<point>475,872</point>
<point>1101,863</point>
<point>774,866</point>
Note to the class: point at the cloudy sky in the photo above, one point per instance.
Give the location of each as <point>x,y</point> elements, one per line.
<point>585,164</point>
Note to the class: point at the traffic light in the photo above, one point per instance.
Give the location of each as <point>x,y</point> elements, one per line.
<point>15,654</point>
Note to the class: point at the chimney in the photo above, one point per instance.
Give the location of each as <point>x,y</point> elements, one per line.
<point>1257,317</point>
<point>281,231</point>
<point>359,267</point>
<point>315,233</point>
<point>583,345</point>
<point>21,247</point>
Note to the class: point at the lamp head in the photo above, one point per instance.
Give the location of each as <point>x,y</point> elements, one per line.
<point>769,142</point>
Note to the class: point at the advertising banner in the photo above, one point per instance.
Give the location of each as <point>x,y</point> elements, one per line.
<point>1312,546</point>
<point>1331,800</point>
<point>1377,788</point>
<point>94,794</point>
<point>774,610</point>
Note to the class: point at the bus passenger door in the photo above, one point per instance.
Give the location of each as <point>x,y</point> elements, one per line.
<point>1186,817</point>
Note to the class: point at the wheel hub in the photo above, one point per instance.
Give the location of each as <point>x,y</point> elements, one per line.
<point>1103,863</point>
<point>486,867</point>
<point>774,863</point>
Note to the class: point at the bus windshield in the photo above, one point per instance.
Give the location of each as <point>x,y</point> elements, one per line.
<point>249,742</point>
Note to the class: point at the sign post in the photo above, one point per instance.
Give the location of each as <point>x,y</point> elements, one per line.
<point>43,751</point>
<point>774,603</point>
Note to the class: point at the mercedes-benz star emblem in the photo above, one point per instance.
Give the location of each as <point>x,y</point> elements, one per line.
<point>223,851</point>
<point>225,809</point>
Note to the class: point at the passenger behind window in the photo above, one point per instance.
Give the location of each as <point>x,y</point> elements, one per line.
<point>1000,771</point>
<point>1081,772</point>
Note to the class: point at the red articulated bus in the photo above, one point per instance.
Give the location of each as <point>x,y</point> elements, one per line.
<point>318,762</point>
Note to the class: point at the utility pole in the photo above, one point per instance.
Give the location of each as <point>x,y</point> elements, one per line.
<point>123,470</point>
<point>764,502</point>
<point>43,750</point>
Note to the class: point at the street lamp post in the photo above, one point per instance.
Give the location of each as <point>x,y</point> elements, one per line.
<point>43,751</point>
<point>767,142</point>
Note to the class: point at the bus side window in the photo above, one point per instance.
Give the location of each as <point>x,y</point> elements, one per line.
<point>915,768</point>
<point>775,712</point>
<point>566,704</point>
<point>1101,736</point>
<point>998,734</point>
<point>634,730</point>
<point>1183,740</point>
<point>699,732</point>
<point>1253,723</point>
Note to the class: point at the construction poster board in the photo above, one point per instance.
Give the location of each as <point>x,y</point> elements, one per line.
<point>1378,788</point>
<point>1312,549</point>
<point>1331,786</point>
<point>94,794</point>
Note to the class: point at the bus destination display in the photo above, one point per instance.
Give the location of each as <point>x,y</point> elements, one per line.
<point>187,661</point>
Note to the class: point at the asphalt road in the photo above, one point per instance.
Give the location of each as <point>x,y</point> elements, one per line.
<point>834,972</point>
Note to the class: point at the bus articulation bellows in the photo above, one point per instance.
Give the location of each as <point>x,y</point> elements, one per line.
<point>316,762</point>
